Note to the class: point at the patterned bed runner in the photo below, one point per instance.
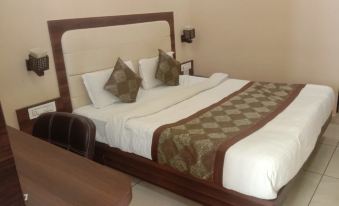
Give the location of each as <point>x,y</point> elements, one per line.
<point>196,145</point>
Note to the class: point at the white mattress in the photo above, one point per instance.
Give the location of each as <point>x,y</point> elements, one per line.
<point>259,165</point>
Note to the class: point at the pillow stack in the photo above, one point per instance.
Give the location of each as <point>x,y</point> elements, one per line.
<point>160,70</point>
<point>168,69</point>
<point>95,82</point>
<point>122,84</point>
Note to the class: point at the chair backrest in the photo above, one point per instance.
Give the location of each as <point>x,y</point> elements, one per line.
<point>70,131</point>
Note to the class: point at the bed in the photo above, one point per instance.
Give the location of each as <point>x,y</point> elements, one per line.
<point>255,169</point>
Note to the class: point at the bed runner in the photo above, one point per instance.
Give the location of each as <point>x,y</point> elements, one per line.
<point>196,145</point>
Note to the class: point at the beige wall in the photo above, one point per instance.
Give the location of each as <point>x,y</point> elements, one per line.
<point>23,26</point>
<point>282,40</point>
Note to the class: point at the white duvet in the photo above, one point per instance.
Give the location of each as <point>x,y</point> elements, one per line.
<point>259,165</point>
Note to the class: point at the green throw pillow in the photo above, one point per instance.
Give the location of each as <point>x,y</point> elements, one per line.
<point>168,69</point>
<point>123,83</point>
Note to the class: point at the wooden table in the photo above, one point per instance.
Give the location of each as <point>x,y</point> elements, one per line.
<point>53,176</point>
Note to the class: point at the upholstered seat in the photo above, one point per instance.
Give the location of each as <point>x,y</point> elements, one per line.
<point>70,131</point>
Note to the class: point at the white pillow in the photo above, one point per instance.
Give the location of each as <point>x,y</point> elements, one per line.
<point>147,69</point>
<point>94,83</point>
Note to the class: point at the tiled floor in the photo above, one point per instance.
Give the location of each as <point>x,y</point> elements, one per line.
<point>318,185</point>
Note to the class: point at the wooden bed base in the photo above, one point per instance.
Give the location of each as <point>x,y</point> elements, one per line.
<point>205,193</point>
<point>137,166</point>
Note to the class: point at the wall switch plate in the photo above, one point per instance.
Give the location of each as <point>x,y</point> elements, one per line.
<point>34,112</point>
<point>186,67</point>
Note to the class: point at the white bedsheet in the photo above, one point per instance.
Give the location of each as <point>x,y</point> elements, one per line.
<point>259,165</point>
<point>101,116</point>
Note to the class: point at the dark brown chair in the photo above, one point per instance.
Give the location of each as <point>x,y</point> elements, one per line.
<point>70,131</point>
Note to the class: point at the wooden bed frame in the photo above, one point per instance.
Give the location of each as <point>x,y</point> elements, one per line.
<point>137,166</point>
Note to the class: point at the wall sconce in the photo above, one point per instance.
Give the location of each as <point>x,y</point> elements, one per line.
<point>188,35</point>
<point>37,61</point>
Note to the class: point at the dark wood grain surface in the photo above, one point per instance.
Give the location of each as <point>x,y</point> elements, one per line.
<point>10,191</point>
<point>54,177</point>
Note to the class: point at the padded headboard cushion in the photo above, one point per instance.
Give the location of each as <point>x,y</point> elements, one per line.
<point>94,49</point>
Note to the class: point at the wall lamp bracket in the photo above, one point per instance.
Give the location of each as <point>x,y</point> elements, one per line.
<point>38,61</point>
<point>188,35</point>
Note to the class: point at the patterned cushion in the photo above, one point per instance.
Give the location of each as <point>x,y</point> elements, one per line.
<point>123,83</point>
<point>168,69</point>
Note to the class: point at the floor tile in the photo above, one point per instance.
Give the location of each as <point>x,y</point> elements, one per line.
<point>335,119</point>
<point>303,189</point>
<point>145,194</point>
<point>327,193</point>
<point>135,181</point>
<point>320,158</point>
<point>332,134</point>
<point>328,140</point>
<point>333,168</point>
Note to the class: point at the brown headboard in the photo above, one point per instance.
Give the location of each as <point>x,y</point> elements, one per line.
<point>58,27</point>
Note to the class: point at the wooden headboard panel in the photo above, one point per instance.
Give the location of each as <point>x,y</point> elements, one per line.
<point>57,28</point>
